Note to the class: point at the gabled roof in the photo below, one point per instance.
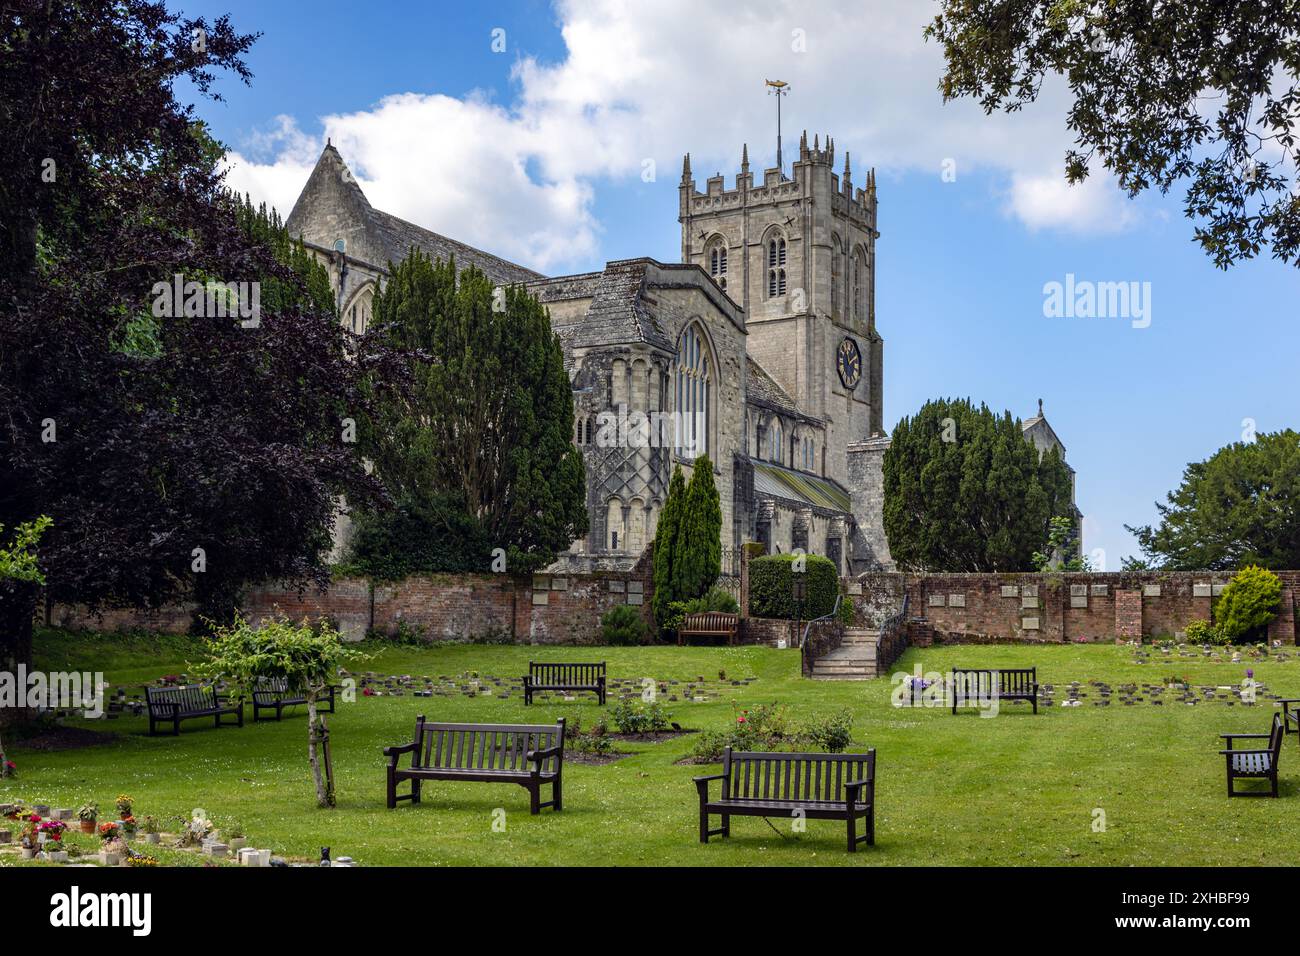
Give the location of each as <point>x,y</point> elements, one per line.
<point>332,206</point>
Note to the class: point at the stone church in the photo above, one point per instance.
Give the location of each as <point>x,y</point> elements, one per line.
<point>759,348</point>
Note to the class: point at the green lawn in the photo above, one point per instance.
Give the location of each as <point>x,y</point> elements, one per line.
<point>1012,790</point>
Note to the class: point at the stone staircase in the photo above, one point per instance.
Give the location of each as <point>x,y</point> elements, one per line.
<point>855,659</point>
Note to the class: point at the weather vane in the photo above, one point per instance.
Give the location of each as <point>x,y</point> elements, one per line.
<point>778,88</point>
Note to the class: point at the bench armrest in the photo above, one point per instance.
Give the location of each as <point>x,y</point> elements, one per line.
<point>1245,753</point>
<point>537,756</point>
<point>852,788</point>
<point>702,785</point>
<point>392,753</point>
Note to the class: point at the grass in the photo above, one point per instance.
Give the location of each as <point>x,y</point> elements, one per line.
<point>1014,790</point>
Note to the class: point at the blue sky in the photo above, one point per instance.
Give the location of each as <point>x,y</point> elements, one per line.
<point>537,153</point>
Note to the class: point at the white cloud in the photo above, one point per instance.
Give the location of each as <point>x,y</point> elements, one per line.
<point>652,81</point>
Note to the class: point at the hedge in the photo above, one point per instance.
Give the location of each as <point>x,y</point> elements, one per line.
<point>770,579</point>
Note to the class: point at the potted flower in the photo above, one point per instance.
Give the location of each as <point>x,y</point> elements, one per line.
<point>107,831</point>
<point>124,805</point>
<point>88,814</point>
<point>128,827</point>
<point>151,830</point>
<point>235,838</point>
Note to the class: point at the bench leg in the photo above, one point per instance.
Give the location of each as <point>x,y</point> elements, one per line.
<point>726,825</point>
<point>704,824</point>
<point>534,799</point>
<point>1273,780</point>
<point>557,795</point>
<point>176,727</point>
<point>415,790</point>
<point>853,833</point>
<point>391,792</point>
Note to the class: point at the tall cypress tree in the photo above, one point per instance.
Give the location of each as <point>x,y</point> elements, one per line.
<point>667,534</point>
<point>698,558</point>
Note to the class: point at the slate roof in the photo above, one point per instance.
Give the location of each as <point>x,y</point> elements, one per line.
<point>764,390</point>
<point>781,482</point>
<point>332,206</point>
<point>618,313</point>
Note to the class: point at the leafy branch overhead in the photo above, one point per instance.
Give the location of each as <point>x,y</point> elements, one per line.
<point>1202,91</point>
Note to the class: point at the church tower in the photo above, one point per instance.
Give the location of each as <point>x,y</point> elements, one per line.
<point>798,253</point>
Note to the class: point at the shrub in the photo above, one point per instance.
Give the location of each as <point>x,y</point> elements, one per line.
<point>1247,604</point>
<point>1203,632</point>
<point>770,580</point>
<point>630,717</point>
<point>831,734</point>
<point>623,626</point>
<point>717,599</point>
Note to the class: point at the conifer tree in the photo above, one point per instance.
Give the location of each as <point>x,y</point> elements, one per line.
<point>481,443</point>
<point>698,553</point>
<point>667,533</point>
<point>965,491</point>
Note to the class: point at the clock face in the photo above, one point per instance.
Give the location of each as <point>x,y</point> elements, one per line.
<point>849,362</point>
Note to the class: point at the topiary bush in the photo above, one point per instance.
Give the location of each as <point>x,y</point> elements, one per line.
<point>1251,599</point>
<point>623,626</point>
<point>770,580</point>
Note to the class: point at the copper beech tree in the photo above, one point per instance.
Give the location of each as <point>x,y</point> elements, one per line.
<point>180,451</point>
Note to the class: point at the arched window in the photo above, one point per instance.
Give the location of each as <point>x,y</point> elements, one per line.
<point>858,308</point>
<point>717,258</point>
<point>614,525</point>
<point>775,266</point>
<point>588,441</point>
<point>693,391</point>
<point>776,441</point>
<point>837,277</point>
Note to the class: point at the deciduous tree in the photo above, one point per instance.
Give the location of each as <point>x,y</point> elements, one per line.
<point>1203,91</point>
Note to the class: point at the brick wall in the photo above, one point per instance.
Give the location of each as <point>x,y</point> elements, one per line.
<point>543,609</point>
<point>1069,607</point>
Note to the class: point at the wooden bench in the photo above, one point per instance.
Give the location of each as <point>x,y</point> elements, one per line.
<point>1254,764</point>
<point>971,684</point>
<point>272,693</point>
<point>529,755</point>
<point>817,785</point>
<point>565,677</point>
<point>171,705</point>
<point>1290,714</point>
<point>710,624</point>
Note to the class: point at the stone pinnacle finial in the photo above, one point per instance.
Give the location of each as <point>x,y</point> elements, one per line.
<point>847,170</point>
<point>686,168</point>
<point>744,156</point>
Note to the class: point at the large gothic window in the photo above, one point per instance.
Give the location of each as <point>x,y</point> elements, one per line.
<point>692,388</point>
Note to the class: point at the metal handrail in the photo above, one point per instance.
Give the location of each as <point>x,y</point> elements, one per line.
<point>803,638</point>
<point>892,630</point>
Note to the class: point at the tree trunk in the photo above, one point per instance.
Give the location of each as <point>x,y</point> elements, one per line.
<point>313,753</point>
<point>17,608</point>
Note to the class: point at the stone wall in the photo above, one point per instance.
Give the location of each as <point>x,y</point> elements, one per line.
<point>544,609</point>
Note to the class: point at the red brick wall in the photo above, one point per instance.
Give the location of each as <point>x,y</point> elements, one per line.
<point>1118,605</point>
<point>543,609</point>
